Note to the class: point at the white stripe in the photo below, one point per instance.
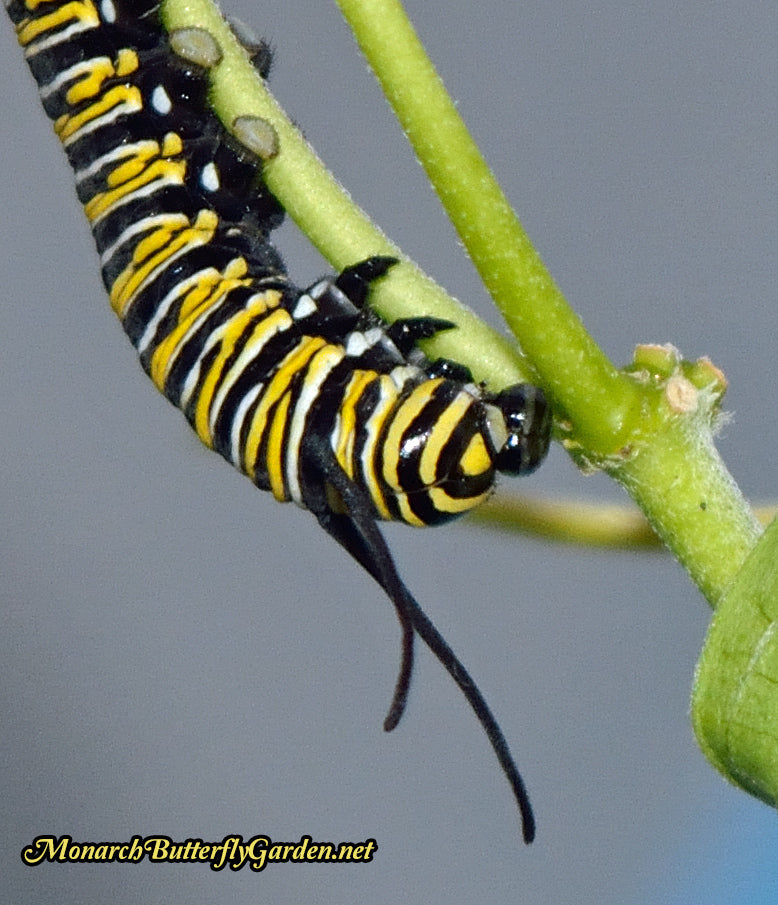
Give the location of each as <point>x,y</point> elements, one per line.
<point>388,397</point>
<point>148,189</point>
<point>142,226</point>
<point>305,307</point>
<point>58,37</point>
<point>108,11</point>
<point>237,424</point>
<point>160,100</point>
<point>70,75</point>
<point>166,304</point>
<point>213,340</point>
<point>125,107</point>
<point>193,375</point>
<point>401,375</point>
<point>115,154</point>
<point>319,289</point>
<point>248,354</point>
<point>356,344</point>
<point>209,177</point>
<point>308,395</point>
<point>155,273</point>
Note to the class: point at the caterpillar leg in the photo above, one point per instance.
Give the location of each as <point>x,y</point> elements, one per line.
<point>354,282</point>
<point>407,331</point>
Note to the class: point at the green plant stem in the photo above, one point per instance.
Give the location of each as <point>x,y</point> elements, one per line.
<point>692,502</point>
<point>734,702</point>
<point>609,525</point>
<point>584,523</point>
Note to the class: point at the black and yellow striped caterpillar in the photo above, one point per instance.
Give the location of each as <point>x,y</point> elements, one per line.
<point>307,392</point>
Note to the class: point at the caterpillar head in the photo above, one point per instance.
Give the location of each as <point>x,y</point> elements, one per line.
<point>447,441</point>
<point>520,428</point>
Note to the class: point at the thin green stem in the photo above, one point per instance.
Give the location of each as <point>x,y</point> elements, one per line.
<point>570,521</point>
<point>608,525</point>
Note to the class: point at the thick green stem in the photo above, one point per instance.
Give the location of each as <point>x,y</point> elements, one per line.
<point>690,499</point>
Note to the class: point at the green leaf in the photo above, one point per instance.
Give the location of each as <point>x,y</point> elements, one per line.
<point>735,697</point>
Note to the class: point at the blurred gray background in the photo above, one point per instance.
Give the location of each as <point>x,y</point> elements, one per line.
<point>182,655</point>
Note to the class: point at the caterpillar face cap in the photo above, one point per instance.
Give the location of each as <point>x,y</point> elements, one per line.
<point>520,428</point>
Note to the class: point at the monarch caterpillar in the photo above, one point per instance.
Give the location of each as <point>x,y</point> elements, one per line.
<point>307,392</point>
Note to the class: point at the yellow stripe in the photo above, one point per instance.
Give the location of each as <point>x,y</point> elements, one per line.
<point>257,305</point>
<point>31,29</point>
<point>90,83</point>
<point>197,303</point>
<point>227,338</point>
<point>126,61</point>
<point>406,513</point>
<point>68,125</point>
<point>99,70</point>
<point>274,323</point>
<point>204,288</point>
<point>440,501</point>
<point>441,432</point>
<point>476,459</point>
<point>130,281</point>
<point>34,4</point>
<point>275,448</point>
<point>374,429</point>
<point>454,505</point>
<point>347,419</point>
<point>173,171</point>
<point>319,369</point>
<point>131,164</point>
<point>294,362</point>
<point>172,146</point>
<point>410,409</point>
<point>231,276</point>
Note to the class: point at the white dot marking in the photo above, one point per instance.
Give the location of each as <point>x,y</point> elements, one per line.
<point>160,100</point>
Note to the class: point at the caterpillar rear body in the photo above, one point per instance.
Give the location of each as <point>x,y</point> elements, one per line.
<point>307,392</point>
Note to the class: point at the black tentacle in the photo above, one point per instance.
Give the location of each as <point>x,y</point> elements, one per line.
<point>360,535</point>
